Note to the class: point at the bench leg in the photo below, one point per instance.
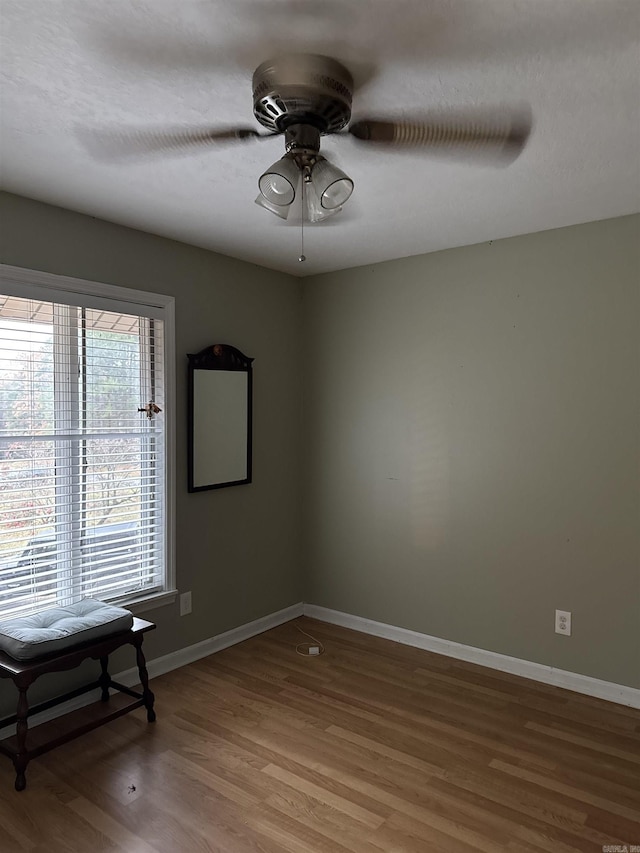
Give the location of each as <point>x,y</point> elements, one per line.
<point>147,695</point>
<point>21,758</point>
<point>105,678</point>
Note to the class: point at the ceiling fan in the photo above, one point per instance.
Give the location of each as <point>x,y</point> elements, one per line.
<point>306,96</point>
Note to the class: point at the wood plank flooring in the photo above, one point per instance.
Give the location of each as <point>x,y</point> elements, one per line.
<point>372,747</point>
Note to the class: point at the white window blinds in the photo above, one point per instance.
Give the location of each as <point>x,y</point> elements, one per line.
<point>82,471</point>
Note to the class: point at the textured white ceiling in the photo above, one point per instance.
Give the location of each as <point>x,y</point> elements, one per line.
<point>71,66</point>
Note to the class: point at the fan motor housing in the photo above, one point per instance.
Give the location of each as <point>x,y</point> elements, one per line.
<point>302,89</point>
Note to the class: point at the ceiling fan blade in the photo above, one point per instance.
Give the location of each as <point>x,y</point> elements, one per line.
<point>500,136</point>
<point>131,143</point>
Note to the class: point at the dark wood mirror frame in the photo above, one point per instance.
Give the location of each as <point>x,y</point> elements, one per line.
<point>219,460</point>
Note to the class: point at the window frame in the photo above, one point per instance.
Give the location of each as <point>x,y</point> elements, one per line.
<point>34,284</point>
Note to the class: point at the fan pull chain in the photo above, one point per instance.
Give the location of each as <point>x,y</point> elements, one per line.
<point>302,257</point>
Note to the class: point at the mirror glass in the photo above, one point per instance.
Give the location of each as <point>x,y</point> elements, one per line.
<point>219,418</point>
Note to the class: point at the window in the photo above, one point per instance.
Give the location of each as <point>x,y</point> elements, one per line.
<point>85,497</point>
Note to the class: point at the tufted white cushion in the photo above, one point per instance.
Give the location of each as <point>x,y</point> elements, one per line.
<point>27,637</point>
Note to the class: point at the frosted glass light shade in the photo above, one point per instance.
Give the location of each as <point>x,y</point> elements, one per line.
<point>281,210</point>
<point>278,183</point>
<point>331,184</point>
<point>313,209</point>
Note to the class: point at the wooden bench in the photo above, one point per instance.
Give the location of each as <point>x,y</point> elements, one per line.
<point>24,673</point>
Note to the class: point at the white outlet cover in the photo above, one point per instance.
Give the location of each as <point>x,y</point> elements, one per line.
<point>185,603</point>
<point>563,622</point>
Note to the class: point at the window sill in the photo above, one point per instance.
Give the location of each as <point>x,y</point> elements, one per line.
<point>149,602</point>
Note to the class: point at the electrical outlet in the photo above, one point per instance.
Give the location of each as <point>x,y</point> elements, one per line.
<point>563,622</point>
<point>185,603</point>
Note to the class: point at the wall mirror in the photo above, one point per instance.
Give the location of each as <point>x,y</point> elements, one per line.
<point>219,439</point>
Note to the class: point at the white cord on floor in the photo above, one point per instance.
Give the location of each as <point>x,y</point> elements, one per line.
<point>307,646</point>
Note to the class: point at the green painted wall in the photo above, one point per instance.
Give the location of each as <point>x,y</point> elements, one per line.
<point>237,548</point>
<point>472,445</point>
<point>468,459</point>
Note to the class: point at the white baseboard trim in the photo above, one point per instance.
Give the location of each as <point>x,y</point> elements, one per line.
<point>619,693</point>
<point>174,660</point>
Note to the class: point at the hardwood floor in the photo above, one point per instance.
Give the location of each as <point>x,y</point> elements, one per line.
<point>371,747</point>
